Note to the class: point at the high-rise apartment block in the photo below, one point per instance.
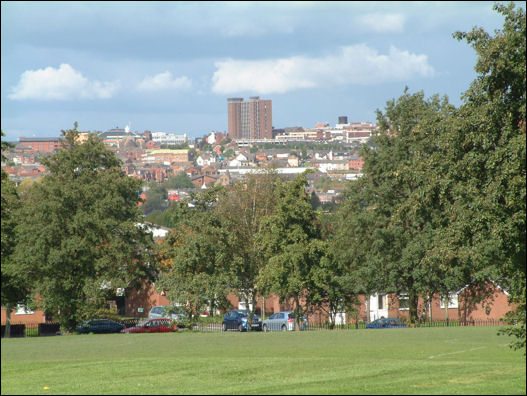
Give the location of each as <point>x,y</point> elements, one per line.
<point>250,119</point>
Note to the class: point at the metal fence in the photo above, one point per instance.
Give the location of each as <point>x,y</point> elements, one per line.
<point>33,329</point>
<point>53,328</point>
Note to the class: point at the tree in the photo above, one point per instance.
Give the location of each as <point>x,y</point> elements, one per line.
<point>292,245</point>
<point>487,152</point>
<point>191,266</point>
<point>393,211</point>
<point>181,180</point>
<point>241,211</point>
<point>156,197</point>
<point>78,237</point>
<point>14,288</point>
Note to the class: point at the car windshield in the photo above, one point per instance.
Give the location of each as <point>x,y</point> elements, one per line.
<point>142,323</point>
<point>242,312</point>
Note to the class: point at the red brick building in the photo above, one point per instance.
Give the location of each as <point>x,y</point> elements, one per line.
<point>44,144</point>
<point>252,119</point>
<point>356,162</point>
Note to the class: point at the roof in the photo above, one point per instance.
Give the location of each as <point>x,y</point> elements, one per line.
<point>115,133</point>
<point>38,139</point>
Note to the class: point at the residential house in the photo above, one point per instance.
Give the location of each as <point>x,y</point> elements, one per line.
<point>356,162</point>
<point>209,170</point>
<point>224,179</point>
<point>466,305</point>
<point>205,159</point>
<point>293,161</point>
<point>166,156</point>
<point>192,172</point>
<point>23,315</point>
<point>217,149</point>
<point>204,181</point>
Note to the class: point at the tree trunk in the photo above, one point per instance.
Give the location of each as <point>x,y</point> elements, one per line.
<point>297,313</point>
<point>447,300</point>
<point>367,308</point>
<point>8,310</point>
<point>413,300</point>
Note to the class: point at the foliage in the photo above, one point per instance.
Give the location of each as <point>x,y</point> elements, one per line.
<point>99,312</point>
<point>181,180</point>
<point>487,152</point>
<point>14,288</point>
<point>78,238</point>
<point>392,212</point>
<point>292,246</point>
<point>156,197</point>
<point>190,262</point>
<point>242,210</point>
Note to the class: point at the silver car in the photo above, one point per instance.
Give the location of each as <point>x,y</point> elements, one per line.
<point>283,321</point>
<point>158,312</point>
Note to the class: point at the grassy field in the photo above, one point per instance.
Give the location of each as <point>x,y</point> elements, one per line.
<point>462,360</point>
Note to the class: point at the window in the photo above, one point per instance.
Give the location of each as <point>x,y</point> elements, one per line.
<point>380,301</point>
<point>21,309</point>
<point>404,302</point>
<point>452,303</point>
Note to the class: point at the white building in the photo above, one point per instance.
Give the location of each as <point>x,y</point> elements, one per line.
<point>171,139</point>
<point>378,306</point>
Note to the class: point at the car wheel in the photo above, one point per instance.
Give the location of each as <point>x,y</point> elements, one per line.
<point>225,327</point>
<point>265,328</point>
<point>284,328</point>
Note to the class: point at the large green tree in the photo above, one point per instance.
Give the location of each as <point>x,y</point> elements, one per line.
<point>487,156</point>
<point>14,287</point>
<point>78,233</point>
<point>242,210</point>
<point>392,212</point>
<point>191,260</point>
<point>292,245</point>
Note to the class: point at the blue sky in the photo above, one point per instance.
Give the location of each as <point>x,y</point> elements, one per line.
<point>170,66</point>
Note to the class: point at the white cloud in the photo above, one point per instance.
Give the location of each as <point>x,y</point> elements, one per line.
<point>60,84</point>
<point>164,81</point>
<point>356,64</point>
<point>381,23</point>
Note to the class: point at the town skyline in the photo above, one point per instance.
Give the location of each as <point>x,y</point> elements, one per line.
<point>172,66</point>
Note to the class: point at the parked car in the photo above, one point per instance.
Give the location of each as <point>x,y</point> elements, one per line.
<point>385,323</point>
<point>99,326</point>
<point>283,321</point>
<point>236,319</point>
<point>158,312</point>
<point>153,326</point>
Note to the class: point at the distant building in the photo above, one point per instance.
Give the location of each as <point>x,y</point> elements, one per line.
<point>40,143</point>
<point>165,156</point>
<point>252,119</point>
<point>114,136</point>
<point>169,139</point>
<point>82,137</point>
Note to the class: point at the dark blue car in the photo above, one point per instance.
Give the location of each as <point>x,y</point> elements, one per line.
<point>99,326</point>
<point>385,323</point>
<point>236,319</point>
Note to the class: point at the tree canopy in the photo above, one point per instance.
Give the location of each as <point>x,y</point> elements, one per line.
<point>78,233</point>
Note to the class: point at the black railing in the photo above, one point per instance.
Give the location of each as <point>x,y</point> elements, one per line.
<point>53,328</point>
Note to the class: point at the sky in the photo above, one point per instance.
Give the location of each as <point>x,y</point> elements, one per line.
<point>170,66</point>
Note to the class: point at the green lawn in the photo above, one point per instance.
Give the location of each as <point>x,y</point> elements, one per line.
<point>461,360</point>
